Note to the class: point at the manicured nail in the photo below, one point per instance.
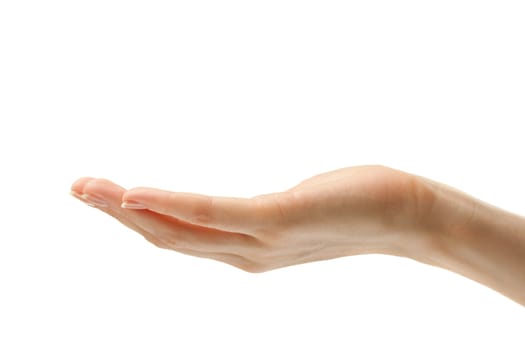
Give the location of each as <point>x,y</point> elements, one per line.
<point>94,200</point>
<point>79,197</point>
<point>132,205</point>
<point>76,194</point>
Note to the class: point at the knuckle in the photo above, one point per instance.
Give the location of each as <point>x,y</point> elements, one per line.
<point>277,205</point>
<point>258,205</point>
<point>202,212</point>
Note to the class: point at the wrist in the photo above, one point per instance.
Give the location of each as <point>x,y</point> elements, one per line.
<point>442,213</point>
<point>475,239</point>
<point>445,210</point>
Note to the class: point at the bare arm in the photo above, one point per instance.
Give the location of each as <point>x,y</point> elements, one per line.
<point>357,210</point>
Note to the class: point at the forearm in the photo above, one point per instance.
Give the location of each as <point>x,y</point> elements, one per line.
<point>476,240</point>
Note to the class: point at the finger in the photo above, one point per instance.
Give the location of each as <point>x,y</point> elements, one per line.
<point>230,259</point>
<point>78,185</point>
<point>223,213</point>
<point>171,232</point>
<point>77,189</point>
<point>116,212</point>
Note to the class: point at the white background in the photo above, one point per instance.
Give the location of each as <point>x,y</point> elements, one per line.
<point>240,98</point>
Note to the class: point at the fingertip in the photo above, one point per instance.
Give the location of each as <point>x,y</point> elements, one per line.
<point>79,184</point>
<point>105,188</point>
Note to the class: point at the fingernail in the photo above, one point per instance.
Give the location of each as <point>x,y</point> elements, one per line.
<point>76,194</point>
<point>94,200</point>
<point>132,205</point>
<point>79,197</point>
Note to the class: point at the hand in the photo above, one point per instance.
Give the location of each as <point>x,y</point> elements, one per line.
<point>357,210</point>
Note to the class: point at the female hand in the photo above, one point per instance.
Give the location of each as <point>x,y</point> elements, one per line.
<point>357,210</point>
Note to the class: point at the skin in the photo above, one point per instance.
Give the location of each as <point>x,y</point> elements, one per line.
<point>350,211</point>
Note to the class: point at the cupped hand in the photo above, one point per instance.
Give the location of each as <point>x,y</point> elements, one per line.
<point>357,210</point>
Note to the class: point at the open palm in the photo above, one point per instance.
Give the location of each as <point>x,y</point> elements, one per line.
<point>349,211</point>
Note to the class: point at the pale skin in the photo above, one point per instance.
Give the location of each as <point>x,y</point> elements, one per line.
<point>350,211</point>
